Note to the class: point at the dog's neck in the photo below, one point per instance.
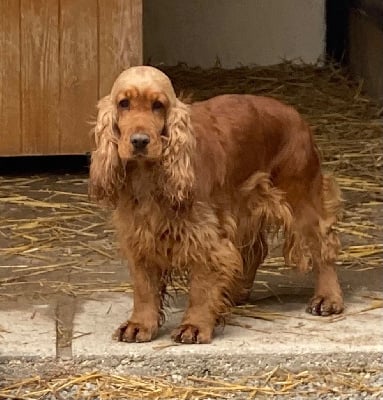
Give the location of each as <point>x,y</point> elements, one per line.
<point>141,178</point>
<point>144,181</point>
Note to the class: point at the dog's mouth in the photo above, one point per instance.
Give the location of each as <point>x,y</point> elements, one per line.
<point>140,153</point>
<point>134,157</point>
<point>147,153</point>
<point>143,156</point>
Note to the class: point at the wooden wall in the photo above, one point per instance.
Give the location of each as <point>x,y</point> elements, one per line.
<point>57,58</point>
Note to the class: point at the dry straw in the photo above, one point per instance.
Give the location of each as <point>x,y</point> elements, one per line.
<point>277,382</point>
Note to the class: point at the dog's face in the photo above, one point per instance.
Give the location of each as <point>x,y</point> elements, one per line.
<point>142,98</point>
<point>141,122</point>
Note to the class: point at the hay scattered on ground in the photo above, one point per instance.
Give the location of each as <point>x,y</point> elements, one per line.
<point>277,382</point>
<point>47,224</point>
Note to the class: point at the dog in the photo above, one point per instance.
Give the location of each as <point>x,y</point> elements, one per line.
<point>197,187</point>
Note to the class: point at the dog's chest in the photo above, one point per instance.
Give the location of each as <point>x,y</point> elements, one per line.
<point>155,230</point>
<point>162,236</point>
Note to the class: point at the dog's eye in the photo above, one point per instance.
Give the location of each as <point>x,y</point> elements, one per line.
<point>157,105</point>
<point>124,103</point>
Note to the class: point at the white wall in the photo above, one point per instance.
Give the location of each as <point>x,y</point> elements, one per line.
<point>236,31</point>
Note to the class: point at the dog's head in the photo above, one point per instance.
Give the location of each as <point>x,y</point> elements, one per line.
<point>141,120</point>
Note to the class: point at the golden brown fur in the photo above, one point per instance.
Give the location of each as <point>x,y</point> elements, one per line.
<point>197,187</point>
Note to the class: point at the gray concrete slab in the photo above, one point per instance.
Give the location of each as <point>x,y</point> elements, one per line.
<point>293,332</point>
<point>30,340</point>
<point>28,332</point>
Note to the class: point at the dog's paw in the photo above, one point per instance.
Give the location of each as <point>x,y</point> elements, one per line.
<point>190,334</point>
<point>135,332</point>
<point>325,305</point>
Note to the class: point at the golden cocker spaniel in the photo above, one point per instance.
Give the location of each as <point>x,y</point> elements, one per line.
<point>197,187</point>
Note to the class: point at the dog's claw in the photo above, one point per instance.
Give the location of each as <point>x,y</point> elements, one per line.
<point>325,305</point>
<point>134,332</point>
<point>191,334</point>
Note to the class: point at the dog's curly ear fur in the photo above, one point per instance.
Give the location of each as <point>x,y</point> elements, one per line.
<point>106,172</point>
<point>177,156</point>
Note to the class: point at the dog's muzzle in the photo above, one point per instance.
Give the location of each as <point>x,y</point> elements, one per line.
<point>139,141</point>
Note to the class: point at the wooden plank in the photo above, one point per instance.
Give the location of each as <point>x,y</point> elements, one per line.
<point>78,73</point>
<point>120,43</point>
<point>10,132</point>
<point>39,76</point>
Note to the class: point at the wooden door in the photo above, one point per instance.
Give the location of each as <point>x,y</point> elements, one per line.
<point>57,58</point>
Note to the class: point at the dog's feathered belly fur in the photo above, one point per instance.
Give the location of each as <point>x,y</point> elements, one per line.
<point>232,168</point>
<point>174,238</point>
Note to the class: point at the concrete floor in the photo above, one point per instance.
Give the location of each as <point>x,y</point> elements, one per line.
<point>81,327</point>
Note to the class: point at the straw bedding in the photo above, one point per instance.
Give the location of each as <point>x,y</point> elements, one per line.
<point>275,383</point>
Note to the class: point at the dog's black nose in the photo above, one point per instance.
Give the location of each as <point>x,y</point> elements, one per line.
<point>139,140</point>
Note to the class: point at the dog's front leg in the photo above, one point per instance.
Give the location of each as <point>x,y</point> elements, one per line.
<point>148,285</point>
<point>213,286</point>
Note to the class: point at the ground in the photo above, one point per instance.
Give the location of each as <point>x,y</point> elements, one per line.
<point>64,289</point>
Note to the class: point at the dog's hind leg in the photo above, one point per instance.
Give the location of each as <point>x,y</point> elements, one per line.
<point>313,237</point>
<point>253,256</point>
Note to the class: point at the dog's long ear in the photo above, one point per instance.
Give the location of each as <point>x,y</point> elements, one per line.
<point>178,153</point>
<point>106,171</point>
